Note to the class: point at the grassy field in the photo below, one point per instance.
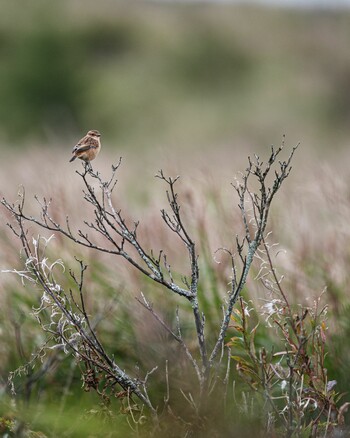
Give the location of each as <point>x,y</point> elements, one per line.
<point>192,90</point>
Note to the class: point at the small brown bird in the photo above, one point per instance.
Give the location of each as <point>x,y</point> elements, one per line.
<point>88,147</point>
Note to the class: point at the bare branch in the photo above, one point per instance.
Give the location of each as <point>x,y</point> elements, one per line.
<point>260,207</point>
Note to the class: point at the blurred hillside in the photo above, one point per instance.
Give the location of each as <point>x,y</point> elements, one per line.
<point>190,89</point>
<point>153,75</point>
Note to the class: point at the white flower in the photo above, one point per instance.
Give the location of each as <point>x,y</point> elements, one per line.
<point>269,308</point>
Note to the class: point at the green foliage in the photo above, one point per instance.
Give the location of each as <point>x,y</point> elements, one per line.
<point>43,82</point>
<point>210,64</point>
<point>185,74</point>
<point>6,425</point>
<point>291,377</point>
<point>81,418</point>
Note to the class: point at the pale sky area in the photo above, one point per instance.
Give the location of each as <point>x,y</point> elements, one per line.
<point>304,3</point>
<point>294,3</point>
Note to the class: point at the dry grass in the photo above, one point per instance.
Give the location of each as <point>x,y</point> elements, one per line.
<point>309,221</point>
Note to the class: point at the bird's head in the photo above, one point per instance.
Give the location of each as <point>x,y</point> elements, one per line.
<point>94,133</point>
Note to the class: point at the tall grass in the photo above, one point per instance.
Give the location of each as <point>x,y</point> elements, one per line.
<point>302,222</point>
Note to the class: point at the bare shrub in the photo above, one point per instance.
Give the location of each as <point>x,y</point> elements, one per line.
<point>63,316</point>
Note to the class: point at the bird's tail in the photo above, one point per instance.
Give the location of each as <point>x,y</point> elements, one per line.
<point>73,158</point>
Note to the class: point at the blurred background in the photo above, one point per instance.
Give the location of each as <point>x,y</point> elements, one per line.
<point>167,75</point>
<point>193,88</point>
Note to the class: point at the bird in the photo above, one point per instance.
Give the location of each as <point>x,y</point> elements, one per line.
<point>88,147</point>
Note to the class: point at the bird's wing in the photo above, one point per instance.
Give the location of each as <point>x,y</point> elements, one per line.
<point>85,144</point>
<point>82,148</point>
<point>80,143</point>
